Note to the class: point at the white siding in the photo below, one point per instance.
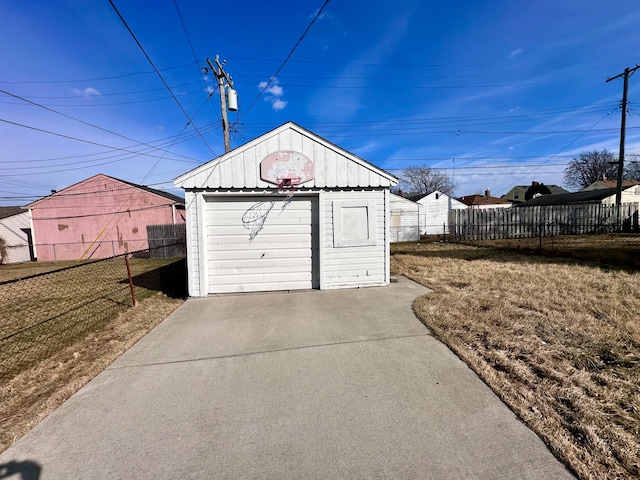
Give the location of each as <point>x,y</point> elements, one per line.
<point>403,220</point>
<point>353,266</point>
<point>261,243</point>
<point>434,213</point>
<point>239,169</point>
<point>193,264</point>
<point>16,239</point>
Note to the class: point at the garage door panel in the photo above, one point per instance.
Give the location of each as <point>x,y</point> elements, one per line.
<point>279,257</point>
<point>281,241</point>
<point>268,268</point>
<point>250,287</point>
<point>261,279</point>
<point>237,204</point>
<point>242,231</point>
<point>291,218</point>
<point>288,253</point>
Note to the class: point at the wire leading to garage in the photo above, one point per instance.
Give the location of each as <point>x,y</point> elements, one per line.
<point>264,89</point>
<point>124,22</point>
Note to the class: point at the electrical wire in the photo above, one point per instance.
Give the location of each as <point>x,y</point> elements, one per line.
<point>268,84</point>
<point>81,121</point>
<point>561,150</point>
<point>124,22</point>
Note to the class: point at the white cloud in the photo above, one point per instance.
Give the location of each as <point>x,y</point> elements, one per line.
<point>210,89</point>
<point>515,53</point>
<point>274,93</point>
<point>87,92</point>
<point>322,16</point>
<point>278,104</point>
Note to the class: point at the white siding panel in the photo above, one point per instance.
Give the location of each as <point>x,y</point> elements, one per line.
<point>193,265</point>
<point>319,155</point>
<point>355,266</point>
<point>251,172</point>
<point>342,180</point>
<point>262,150</point>
<point>403,220</point>
<point>330,167</point>
<point>281,256</point>
<point>17,241</point>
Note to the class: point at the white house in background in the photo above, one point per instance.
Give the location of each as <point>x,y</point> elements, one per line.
<point>405,219</point>
<point>15,230</point>
<point>434,211</point>
<point>286,211</point>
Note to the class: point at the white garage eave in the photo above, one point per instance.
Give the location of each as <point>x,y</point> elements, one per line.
<point>334,167</point>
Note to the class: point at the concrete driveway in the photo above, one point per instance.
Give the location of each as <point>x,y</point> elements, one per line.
<point>333,384</point>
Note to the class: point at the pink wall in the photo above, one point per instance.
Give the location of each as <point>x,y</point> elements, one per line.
<point>103,210</point>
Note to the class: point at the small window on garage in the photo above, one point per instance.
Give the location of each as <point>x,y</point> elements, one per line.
<point>354,224</point>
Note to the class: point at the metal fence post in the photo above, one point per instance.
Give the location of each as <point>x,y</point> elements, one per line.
<point>55,256</point>
<point>133,293</point>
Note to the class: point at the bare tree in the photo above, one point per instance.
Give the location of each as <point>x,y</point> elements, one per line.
<point>632,167</point>
<point>422,179</point>
<point>590,167</point>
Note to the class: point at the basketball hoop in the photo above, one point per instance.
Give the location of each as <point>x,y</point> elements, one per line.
<point>287,185</point>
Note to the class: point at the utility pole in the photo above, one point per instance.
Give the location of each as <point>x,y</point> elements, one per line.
<point>625,75</point>
<point>223,77</point>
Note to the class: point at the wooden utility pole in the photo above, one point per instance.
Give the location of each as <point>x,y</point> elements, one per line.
<point>222,76</point>
<point>623,125</point>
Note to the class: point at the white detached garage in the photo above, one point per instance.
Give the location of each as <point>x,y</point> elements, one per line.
<point>286,211</point>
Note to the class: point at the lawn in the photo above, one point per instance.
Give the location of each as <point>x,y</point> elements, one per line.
<point>61,328</point>
<point>557,340</point>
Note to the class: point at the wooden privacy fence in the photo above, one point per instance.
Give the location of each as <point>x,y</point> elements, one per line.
<point>539,221</point>
<point>167,241</point>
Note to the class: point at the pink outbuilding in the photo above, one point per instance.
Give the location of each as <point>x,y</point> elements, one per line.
<point>100,217</point>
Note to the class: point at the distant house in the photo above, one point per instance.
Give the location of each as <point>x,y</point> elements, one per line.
<point>15,230</point>
<point>405,219</point>
<point>518,194</point>
<point>603,184</point>
<point>100,217</point>
<point>604,196</point>
<point>484,201</point>
<point>434,211</point>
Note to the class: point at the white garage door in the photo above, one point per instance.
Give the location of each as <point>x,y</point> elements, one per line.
<point>261,244</point>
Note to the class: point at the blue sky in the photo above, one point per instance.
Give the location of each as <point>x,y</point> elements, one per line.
<point>497,93</point>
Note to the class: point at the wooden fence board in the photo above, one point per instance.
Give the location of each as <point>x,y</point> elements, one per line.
<point>538,221</point>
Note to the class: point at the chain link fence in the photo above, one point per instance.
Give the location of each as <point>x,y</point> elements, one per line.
<point>44,312</point>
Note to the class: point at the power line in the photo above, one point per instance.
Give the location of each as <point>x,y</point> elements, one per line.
<point>286,59</point>
<point>102,94</point>
<point>77,139</point>
<point>563,148</point>
<point>124,22</point>
<point>80,121</point>
<point>193,52</point>
<point>98,79</point>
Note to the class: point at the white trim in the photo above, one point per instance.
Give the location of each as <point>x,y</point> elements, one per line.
<point>321,232</point>
<point>201,207</point>
<point>387,239</point>
<point>33,234</point>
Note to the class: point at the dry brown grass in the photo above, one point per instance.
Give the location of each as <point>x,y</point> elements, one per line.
<point>33,394</point>
<point>559,342</point>
<point>12,271</point>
